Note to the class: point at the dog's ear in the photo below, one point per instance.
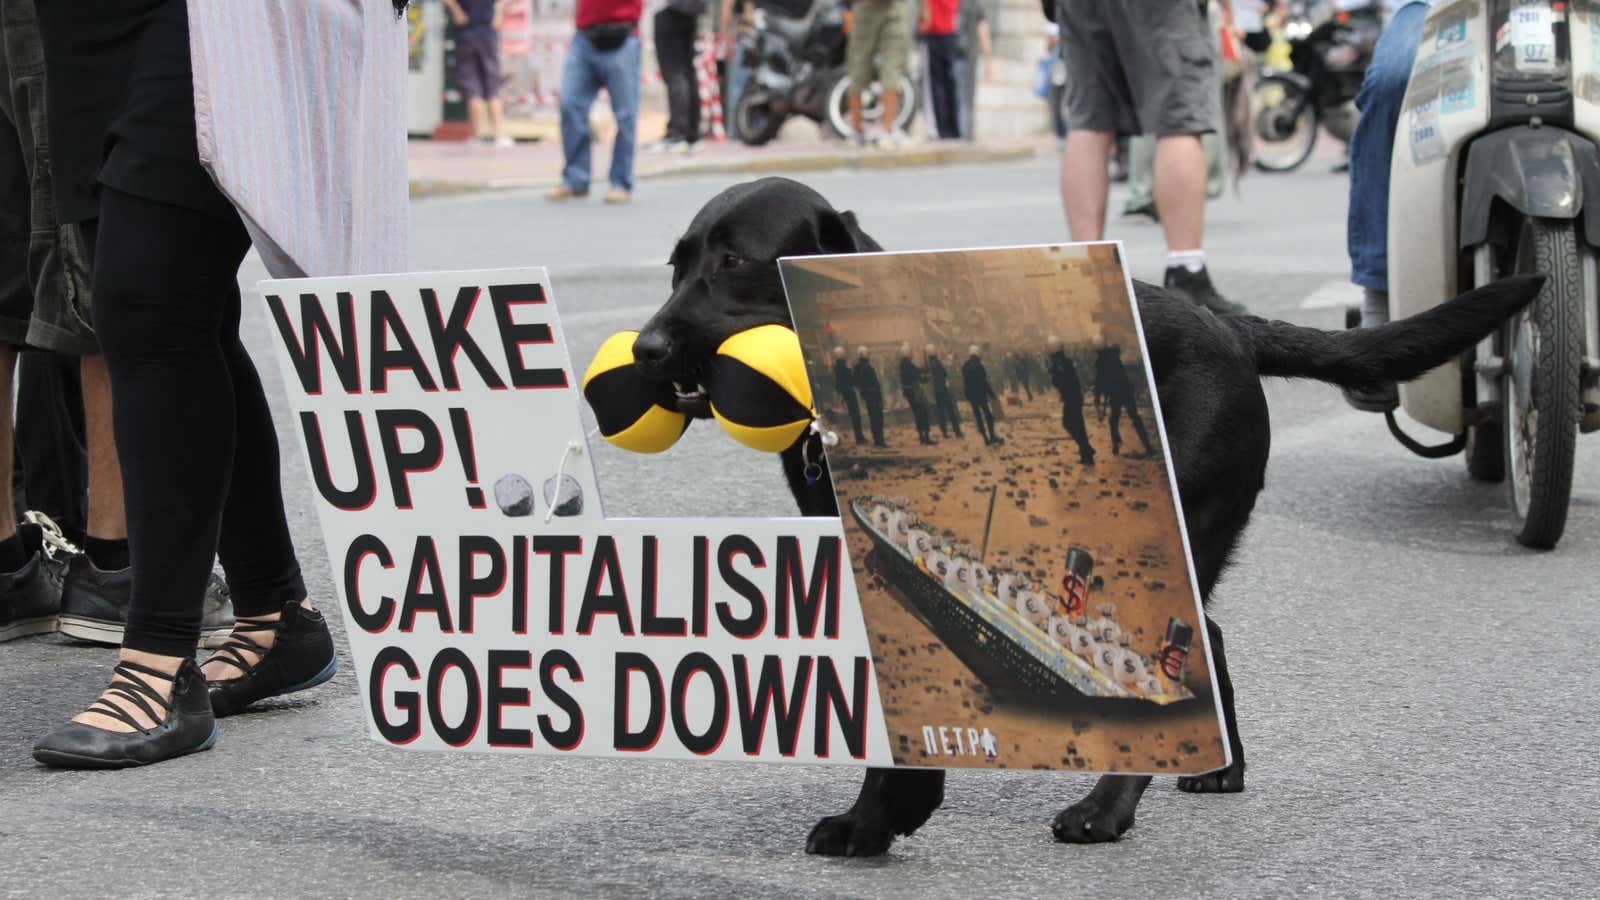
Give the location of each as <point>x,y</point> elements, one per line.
<point>838,232</point>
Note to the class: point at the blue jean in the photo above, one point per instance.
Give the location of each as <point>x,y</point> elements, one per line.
<point>1382,90</point>
<point>586,72</point>
<point>738,77</point>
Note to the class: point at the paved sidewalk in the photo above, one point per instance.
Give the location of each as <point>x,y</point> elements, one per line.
<point>441,167</point>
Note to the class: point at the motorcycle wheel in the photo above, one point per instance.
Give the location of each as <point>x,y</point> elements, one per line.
<point>754,119</point>
<point>1543,352</point>
<point>1280,147</point>
<point>871,105</point>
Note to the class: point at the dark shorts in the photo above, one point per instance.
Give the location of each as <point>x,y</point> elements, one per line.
<point>477,66</point>
<point>1139,66</point>
<point>44,272</point>
<point>122,106</point>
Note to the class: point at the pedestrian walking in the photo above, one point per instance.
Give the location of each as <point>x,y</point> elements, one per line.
<point>944,405</point>
<point>477,65</point>
<point>1142,67</point>
<point>1112,384</point>
<point>676,24</point>
<point>876,50</point>
<point>975,384</point>
<point>604,53</point>
<point>1064,375</point>
<point>937,24</point>
<point>132,115</point>
<point>911,388</point>
<point>844,386</point>
<point>870,389</point>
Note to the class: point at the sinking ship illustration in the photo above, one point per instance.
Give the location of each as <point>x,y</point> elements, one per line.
<point>1012,656</point>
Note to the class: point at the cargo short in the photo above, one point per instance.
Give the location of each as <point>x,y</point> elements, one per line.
<point>880,40</point>
<point>1139,66</point>
<point>44,266</point>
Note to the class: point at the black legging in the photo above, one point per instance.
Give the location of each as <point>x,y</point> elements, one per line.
<point>674,37</point>
<point>944,83</point>
<point>193,429</point>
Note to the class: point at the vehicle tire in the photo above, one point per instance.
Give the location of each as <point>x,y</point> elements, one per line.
<point>1544,349</point>
<point>1290,143</point>
<point>754,119</point>
<point>871,105</point>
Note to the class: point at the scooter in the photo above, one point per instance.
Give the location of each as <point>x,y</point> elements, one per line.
<point>797,67</point>
<point>1329,51</point>
<point>1495,172</point>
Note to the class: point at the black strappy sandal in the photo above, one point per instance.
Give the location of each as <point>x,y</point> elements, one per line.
<point>301,657</point>
<point>184,723</point>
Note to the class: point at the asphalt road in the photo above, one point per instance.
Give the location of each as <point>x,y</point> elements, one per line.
<point>1415,690</point>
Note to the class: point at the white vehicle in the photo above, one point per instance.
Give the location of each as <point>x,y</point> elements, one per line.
<point>1495,172</point>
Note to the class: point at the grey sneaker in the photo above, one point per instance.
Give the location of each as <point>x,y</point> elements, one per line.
<point>94,605</point>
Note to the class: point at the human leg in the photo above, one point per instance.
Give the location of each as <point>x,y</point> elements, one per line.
<point>107,515</point>
<point>50,442</point>
<point>1180,189</point>
<point>1141,176</point>
<point>866,26</point>
<point>1383,88</point>
<point>579,87</point>
<point>854,409</point>
<point>942,85</point>
<point>674,40</point>
<point>1085,182</point>
<point>620,71</point>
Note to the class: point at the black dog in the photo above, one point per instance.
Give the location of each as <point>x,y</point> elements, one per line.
<point>1208,373</point>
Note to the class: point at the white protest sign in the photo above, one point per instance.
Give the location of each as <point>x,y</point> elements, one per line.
<point>489,602</point>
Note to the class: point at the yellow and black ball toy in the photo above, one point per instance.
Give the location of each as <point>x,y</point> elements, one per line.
<point>634,413</point>
<point>758,387</point>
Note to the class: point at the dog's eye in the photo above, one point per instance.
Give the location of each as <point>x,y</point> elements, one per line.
<point>732,260</point>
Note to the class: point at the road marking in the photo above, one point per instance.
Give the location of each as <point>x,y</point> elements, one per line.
<point>1333,294</point>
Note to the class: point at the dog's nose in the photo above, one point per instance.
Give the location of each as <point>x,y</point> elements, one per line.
<point>651,349</point>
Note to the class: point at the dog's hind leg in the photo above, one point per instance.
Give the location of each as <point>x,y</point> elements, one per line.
<point>892,802</point>
<point>1231,779</point>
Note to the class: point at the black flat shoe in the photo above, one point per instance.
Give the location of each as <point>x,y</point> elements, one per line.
<point>186,723</point>
<point>302,657</point>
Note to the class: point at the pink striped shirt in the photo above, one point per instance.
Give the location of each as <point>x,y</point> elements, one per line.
<point>300,119</point>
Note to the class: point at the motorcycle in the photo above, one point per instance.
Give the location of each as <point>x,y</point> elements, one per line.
<point>797,66</point>
<point>1496,172</point>
<point>1329,52</point>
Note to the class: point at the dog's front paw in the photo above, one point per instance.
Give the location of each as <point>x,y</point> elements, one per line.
<point>1222,781</point>
<point>851,834</point>
<point>1090,821</point>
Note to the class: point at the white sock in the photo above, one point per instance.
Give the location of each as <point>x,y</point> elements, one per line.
<point>1193,260</point>
<point>1374,307</point>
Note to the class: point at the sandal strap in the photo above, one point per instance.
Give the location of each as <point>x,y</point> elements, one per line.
<point>135,690</point>
<point>233,652</point>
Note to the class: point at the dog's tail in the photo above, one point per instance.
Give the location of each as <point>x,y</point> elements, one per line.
<point>1399,351</point>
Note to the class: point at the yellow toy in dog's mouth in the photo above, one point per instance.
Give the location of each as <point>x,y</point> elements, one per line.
<point>759,390</point>
<point>633,412</point>
<point>755,386</point>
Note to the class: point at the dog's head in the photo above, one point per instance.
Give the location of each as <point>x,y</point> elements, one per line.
<point>725,277</point>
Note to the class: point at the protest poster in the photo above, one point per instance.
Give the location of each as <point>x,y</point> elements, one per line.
<point>1009,506</point>
<point>490,603</point>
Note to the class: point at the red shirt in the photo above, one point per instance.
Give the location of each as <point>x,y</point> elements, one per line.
<point>941,15</point>
<point>593,12</point>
